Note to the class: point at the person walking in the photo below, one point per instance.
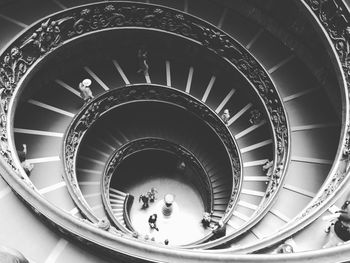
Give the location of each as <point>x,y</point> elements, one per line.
<point>85,91</point>
<point>152,221</point>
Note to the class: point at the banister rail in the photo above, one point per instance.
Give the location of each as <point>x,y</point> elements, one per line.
<point>127,205</point>
<point>151,143</point>
<point>51,33</point>
<point>331,18</point>
<point>110,100</point>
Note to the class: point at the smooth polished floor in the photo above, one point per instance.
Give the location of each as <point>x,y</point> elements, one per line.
<point>152,168</point>
<point>183,225</point>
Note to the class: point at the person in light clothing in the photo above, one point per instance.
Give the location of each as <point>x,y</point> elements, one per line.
<point>225,116</point>
<point>85,91</point>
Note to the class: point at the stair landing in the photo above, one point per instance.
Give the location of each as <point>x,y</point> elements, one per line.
<point>183,225</point>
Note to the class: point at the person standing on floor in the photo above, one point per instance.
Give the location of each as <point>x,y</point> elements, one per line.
<point>145,200</point>
<point>152,221</point>
<point>152,194</point>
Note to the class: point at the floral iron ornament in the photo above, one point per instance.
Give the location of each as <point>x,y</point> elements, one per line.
<point>46,36</point>
<point>335,19</point>
<point>132,147</point>
<point>112,99</point>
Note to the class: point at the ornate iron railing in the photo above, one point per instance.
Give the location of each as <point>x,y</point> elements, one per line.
<point>332,19</point>
<point>200,177</point>
<point>48,35</point>
<point>15,66</point>
<point>142,92</point>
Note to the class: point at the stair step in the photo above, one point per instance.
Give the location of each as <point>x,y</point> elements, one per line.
<point>218,207</point>
<point>222,188</point>
<point>117,207</point>
<point>115,191</point>
<point>117,201</point>
<point>221,195</point>
<point>118,214</point>
<point>240,215</point>
<point>218,214</point>
<point>221,182</point>
<point>221,201</point>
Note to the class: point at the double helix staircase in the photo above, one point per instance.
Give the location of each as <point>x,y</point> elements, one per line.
<point>135,123</point>
<point>44,112</point>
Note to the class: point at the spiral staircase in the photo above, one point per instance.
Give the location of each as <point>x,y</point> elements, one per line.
<point>279,67</point>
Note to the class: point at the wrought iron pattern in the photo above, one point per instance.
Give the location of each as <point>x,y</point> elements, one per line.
<point>112,99</point>
<point>334,17</point>
<point>180,152</point>
<point>44,37</point>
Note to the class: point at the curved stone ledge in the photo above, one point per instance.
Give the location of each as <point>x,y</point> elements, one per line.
<point>331,18</point>
<point>149,143</point>
<point>54,31</point>
<point>143,92</point>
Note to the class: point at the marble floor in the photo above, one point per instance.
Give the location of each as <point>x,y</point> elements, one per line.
<point>183,225</point>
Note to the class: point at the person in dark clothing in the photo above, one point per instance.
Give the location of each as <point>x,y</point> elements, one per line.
<point>142,57</point>
<point>152,194</point>
<point>206,219</point>
<point>152,221</point>
<point>219,229</point>
<point>341,226</point>
<point>145,200</point>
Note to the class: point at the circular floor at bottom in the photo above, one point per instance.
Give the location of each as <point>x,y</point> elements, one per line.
<point>184,225</point>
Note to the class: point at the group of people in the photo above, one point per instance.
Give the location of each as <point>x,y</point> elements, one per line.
<point>218,228</point>
<point>86,95</point>
<point>152,221</point>
<point>255,116</point>
<point>338,230</point>
<point>150,196</point>
<point>84,86</point>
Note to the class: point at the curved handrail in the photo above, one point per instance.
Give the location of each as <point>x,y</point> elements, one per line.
<point>54,31</point>
<point>331,18</point>
<point>126,210</point>
<point>147,143</point>
<point>129,94</point>
<point>45,37</point>
<point>116,245</point>
<point>339,252</point>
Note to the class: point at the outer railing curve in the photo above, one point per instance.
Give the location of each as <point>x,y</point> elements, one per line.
<point>153,143</point>
<point>51,33</point>
<point>142,92</point>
